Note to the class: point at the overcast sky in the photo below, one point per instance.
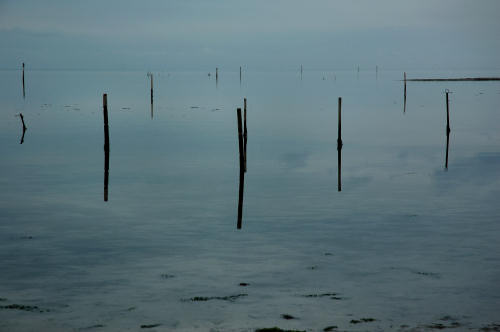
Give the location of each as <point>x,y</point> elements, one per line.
<point>259,34</point>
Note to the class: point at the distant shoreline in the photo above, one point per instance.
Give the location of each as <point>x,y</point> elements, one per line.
<point>454,79</point>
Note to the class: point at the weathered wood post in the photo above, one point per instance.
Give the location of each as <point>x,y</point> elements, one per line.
<point>106,145</point>
<point>24,94</point>
<point>447,127</point>
<point>404,102</point>
<point>245,133</point>
<point>242,169</point>
<point>339,146</point>
<point>151,77</point>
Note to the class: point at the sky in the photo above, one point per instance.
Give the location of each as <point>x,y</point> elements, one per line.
<point>256,34</point>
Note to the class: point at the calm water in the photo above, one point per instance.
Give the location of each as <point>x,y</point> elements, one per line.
<point>405,242</point>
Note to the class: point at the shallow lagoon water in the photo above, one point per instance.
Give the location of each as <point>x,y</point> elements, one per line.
<point>405,242</point>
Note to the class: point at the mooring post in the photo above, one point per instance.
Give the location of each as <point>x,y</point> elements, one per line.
<point>404,102</point>
<point>447,113</point>
<point>339,146</point>
<point>106,145</point>
<point>245,134</point>
<point>447,127</point>
<point>242,169</point>
<point>151,77</point>
<point>24,94</point>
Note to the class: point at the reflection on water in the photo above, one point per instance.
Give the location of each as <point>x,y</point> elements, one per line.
<point>24,128</point>
<point>391,240</point>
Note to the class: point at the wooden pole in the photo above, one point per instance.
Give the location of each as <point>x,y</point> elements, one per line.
<point>151,88</point>
<point>240,74</point>
<point>242,169</point>
<point>404,103</point>
<point>339,146</point>
<point>447,128</point>
<point>106,145</point>
<point>216,74</point>
<point>245,134</point>
<point>24,94</point>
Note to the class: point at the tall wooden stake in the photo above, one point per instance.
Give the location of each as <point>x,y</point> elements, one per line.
<point>151,77</point>
<point>245,134</point>
<point>24,94</point>
<point>447,128</point>
<point>216,74</point>
<point>404,102</point>
<point>339,146</point>
<point>242,169</point>
<point>106,145</point>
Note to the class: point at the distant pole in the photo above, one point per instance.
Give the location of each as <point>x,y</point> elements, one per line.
<point>240,74</point>
<point>447,114</point>
<point>301,71</point>
<point>447,127</point>
<point>242,169</point>
<point>151,77</point>
<point>339,146</point>
<point>24,94</point>
<point>216,74</point>
<point>106,145</point>
<point>404,106</point>
<point>245,134</point>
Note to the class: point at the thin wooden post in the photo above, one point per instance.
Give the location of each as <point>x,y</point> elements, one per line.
<point>106,146</point>
<point>339,146</point>
<point>245,134</point>
<point>216,74</point>
<point>24,94</point>
<point>240,74</point>
<point>447,128</point>
<point>242,169</point>
<point>151,76</point>
<point>404,102</point>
